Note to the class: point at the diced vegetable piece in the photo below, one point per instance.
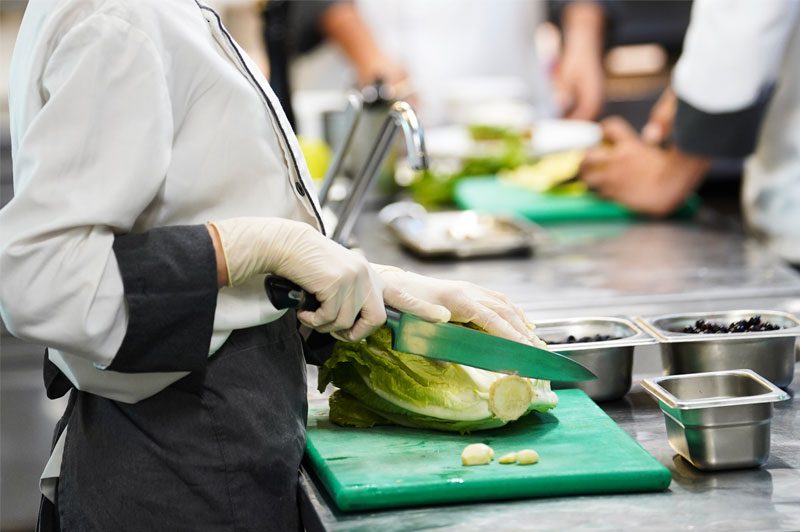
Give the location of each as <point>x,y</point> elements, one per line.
<point>476,454</point>
<point>527,456</point>
<point>547,173</point>
<point>509,458</point>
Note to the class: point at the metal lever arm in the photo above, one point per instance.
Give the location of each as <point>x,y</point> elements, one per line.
<point>355,105</point>
<point>401,116</point>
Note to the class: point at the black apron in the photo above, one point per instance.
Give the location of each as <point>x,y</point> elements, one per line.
<point>214,451</point>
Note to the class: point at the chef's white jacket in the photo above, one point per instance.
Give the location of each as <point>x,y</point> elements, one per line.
<point>126,116</point>
<point>135,122</point>
<point>448,46</point>
<point>738,84</point>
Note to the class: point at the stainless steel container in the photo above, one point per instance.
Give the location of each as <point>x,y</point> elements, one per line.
<point>717,420</point>
<point>768,353</point>
<point>610,360</point>
<point>459,234</point>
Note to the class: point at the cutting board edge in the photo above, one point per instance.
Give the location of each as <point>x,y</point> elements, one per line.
<point>655,481</point>
<point>601,210</point>
<point>336,490</point>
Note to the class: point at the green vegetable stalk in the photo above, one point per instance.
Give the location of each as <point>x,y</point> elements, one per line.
<point>431,189</point>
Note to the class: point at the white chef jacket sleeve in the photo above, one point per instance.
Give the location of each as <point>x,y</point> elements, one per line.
<point>93,156</point>
<point>731,60</point>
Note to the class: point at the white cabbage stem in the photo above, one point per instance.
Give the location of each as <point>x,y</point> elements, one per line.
<point>510,397</point>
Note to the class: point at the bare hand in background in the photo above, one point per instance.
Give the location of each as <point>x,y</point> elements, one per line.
<point>389,72</point>
<point>645,178</point>
<point>343,25</point>
<point>662,115</point>
<point>580,85</point>
<point>580,79</point>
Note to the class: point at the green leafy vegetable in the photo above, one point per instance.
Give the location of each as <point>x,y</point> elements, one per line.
<point>432,188</point>
<point>347,411</point>
<point>381,386</point>
<point>490,132</point>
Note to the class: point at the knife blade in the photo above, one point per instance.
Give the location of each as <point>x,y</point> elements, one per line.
<point>449,342</point>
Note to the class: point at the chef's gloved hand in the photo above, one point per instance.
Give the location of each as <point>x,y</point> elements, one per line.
<point>348,289</point>
<point>458,301</point>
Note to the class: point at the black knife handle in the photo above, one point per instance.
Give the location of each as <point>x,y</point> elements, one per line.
<point>283,293</point>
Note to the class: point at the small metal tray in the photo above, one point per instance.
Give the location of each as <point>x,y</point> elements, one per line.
<point>717,420</point>
<point>667,328</point>
<point>627,332</point>
<point>771,354</point>
<point>610,360</point>
<point>459,234</point>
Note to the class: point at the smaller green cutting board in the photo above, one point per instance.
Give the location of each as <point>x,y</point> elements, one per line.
<point>581,449</point>
<point>491,195</point>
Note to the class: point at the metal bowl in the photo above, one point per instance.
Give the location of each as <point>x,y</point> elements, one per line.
<point>768,353</point>
<point>717,420</point>
<point>611,360</point>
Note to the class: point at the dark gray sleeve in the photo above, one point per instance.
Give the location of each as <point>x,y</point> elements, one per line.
<point>169,275</point>
<point>732,134</point>
<point>304,22</point>
<point>555,8</point>
<point>555,13</point>
<point>636,22</point>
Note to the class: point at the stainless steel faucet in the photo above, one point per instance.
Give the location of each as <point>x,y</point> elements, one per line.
<point>355,104</point>
<point>401,117</point>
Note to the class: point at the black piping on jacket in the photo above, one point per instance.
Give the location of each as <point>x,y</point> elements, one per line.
<point>270,107</point>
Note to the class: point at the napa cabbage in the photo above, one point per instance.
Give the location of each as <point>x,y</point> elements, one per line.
<point>380,386</point>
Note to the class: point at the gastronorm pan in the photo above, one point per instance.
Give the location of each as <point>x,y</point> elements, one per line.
<point>459,234</point>
<point>768,353</point>
<point>720,419</point>
<point>610,360</point>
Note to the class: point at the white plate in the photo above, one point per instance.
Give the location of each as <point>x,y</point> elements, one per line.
<point>549,136</point>
<point>450,141</point>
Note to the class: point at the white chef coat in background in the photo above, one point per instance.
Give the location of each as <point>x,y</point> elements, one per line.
<point>464,48</point>
<point>735,50</point>
<point>125,116</point>
<point>446,44</point>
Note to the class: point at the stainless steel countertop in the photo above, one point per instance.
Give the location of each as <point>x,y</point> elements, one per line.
<point>622,268</point>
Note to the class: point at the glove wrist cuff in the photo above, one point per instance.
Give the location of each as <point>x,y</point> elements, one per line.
<point>221,237</point>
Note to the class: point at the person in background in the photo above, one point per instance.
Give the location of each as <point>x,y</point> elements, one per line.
<point>157,182</point>
<point>432,49</point>
<point>292,28</point>
<point>735,92</point>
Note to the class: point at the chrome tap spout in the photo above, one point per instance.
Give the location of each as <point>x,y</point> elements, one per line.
<point>401,117</point>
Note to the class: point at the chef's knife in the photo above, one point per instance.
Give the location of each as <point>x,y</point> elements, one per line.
<point>446,341</point>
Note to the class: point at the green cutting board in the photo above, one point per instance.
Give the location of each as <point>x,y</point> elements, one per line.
<point>491,195</point>
<point>581,451</point>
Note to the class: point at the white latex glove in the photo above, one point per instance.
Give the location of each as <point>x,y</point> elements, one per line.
<point>343,281</point>
<point>458,301</point>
